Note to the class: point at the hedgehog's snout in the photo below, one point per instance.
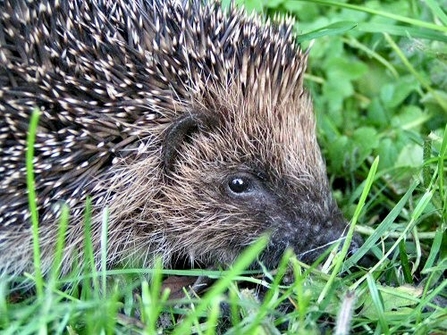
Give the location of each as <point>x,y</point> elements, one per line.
<point>308,229</point>
<point>330,232</point>
<point>355,245</point>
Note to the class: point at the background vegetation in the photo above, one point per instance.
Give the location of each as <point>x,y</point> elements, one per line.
<point>378,75</point>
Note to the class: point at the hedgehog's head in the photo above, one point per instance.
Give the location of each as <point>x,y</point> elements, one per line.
<point>242,164</point>
<point>243,159</point>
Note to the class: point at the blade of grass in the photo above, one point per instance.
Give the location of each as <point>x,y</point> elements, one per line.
<point>336,28</point>
<point>234,304</point>
<point>441,167</point>
<point>434,250</point>
<point>32,198</point>
<point>4,318</point>
<point>302,300</point>
<point>58,254</point>
<point>427,174</point>
<point>213,317</point>
<point>88,259</point>
<point>404,262</point>
<point>437,10</point>
<point>104,235</point>
<point>418,250</point>
<point>342,254</point>
<point>378,303</point>
<point>405,31</point>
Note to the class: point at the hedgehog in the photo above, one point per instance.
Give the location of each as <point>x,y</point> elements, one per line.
<point>187,123</point>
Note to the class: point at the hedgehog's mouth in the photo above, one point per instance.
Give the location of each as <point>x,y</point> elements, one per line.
<point>308,247</point>
<point>271,257</point>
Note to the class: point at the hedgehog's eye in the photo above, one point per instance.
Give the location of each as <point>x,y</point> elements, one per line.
<point>240,184</point>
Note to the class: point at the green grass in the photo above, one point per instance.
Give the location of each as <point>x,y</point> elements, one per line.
<point>378,76</point>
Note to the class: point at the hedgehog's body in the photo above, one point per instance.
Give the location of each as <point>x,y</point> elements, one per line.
<point>190,125</point>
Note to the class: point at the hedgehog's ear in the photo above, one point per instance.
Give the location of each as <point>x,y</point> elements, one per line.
<point>180,131</point>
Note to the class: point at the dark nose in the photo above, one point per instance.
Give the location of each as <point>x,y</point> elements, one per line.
<point>367,260</point>
<point>356,243</point>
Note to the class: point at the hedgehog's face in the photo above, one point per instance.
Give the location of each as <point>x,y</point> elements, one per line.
<point>293,216</point>
<point>229,183</point>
